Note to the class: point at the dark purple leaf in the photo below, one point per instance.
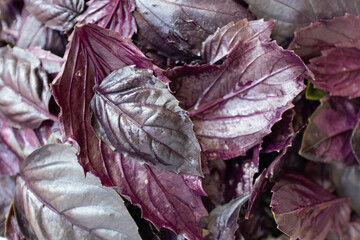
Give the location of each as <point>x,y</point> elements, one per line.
<point>24,89</point>
<point>135,114</point>
<point>243,97</point>
<point>260,186</point>
<point>222,221</point>
<point>93,53</point>
<point>176,29</point>
<point>7,191</point>
<point>355,141</point>
<point>278,139</point>
<point>115,15</point>
<point>327,136</point>
<point>311,40</point>
<point>58,202</point>
<point>302,209</point>
<point>166,199</point>
<point>33,33</point>
<point>240,174</point>
<point>217,46</point>
<point>56,14</point>
<point>293,15</point>
<point>337,71</point>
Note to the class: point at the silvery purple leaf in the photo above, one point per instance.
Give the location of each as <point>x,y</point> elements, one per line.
<point>243,97</point>
<point>56,14</point>
<point>327,136</point>
<point>115,15</point>
<point>222,221</point>
<point>10,19</point>
<point>58,202</point>
<point>218,45</point>
<point>134,113</point>
<point>24,89</point>
<point>290,16</point>
<point>311,40</point>
<point>176,29</point>
<point>7,192</point>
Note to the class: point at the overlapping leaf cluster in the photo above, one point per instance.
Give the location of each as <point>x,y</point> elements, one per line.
<point>181,110</point>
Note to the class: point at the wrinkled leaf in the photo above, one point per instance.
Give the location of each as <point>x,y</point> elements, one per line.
<point>176,29</point>
<point>56,14</point>
<point>314,94</point>
<point>290,16</point>
<point>24,89</point>
<point>222,221</point>
<point>225,39</point>
<point>166,199</point>
<point>53,194</point>
<point>115,15</point>
<point>243,97</point>
<point>337,71</point>
<point>7,191</point>
<point>302,209</point>
<point>327,136</point>
<point>93,53</point>
<point>33,33</point>
<point>134,113</point>
<point>311,40</point>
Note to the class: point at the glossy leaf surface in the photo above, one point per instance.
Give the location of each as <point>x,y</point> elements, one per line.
<point>134,113</point>
<point>243,97</point>
<point>7,192</point>
<point>24,89</point>
<point>290,16</point>
<point>177,28</point>
<point>115,15</point>
<point>327,136</point>
<point>56,14</point>
<point>57,200</point>
<point>166,199</point>
<point>303,209</point>
<point>222,221</point>
<point>310,40</point>
<point>337,71</point>
<point>93,53</point>
<point>218,45</point>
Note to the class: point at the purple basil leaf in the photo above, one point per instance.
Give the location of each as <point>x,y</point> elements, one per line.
<point>310,40</point>
<point>303,209</point>
<point>243,97</point>
<point>24,89</point>
<point>92,54</point>
<point>166,199</point>
<point>327,136</point>
<point>337,71</point>
<point>12,227</point>
<point>9,160</point>
<point>134,113</point>
<point>115,15</point>
<point>10,19</point>
<point>355,141</point>
<point>176,29</point>
<point>277,140</point>
<point>7,191</point>
<point>347,182</point>
<point>52,189</point>
<point>222,221</point>
<point>291,16</point>
<point>50,62</point>
<point>33,33</point>
<point>240,174</point>
<point>217,46</point>
<point>56,14</point>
